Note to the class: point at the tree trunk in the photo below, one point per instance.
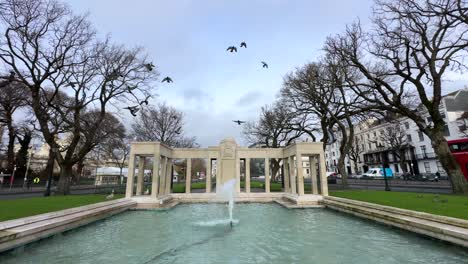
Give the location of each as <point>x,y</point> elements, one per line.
<point>274,169</point>
<point>63,186</point>
<point>450,165</point>
<point>11,143</point>
<point>402,160</point>
<point>79,171</point>
<point>49,171</point>
<point>355,166</point>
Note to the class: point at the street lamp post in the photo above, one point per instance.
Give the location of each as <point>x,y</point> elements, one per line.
<point>384,166</point>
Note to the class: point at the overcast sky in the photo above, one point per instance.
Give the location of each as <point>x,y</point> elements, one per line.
<point>187,41</point>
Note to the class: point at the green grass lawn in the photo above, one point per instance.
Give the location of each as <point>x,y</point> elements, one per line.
<point>180,187</point>
<point>12,209</point>
<point>455,206</point>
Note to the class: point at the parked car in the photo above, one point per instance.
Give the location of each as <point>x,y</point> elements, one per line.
<point>376,173</point>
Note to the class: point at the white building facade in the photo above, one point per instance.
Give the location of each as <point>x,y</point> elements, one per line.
<point>420,157</point>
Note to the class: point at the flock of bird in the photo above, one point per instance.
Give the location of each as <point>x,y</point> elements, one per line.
<point>149,66</point>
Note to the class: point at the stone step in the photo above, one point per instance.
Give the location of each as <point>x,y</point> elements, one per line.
<point>23,232</point>
<point>292,205</point>
<point>407,219</point>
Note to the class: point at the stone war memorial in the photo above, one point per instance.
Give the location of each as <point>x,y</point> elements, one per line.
<point>223,163</point>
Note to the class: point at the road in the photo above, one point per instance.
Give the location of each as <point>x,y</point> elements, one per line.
<point>356,184</point>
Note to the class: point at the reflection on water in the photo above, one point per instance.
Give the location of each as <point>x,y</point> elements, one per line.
<point>262,233</point>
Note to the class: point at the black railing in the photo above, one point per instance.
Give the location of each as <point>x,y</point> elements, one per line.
<point>423,156</point>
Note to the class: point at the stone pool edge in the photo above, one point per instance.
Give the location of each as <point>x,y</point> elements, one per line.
<point>22,231</point>
<point>449,229</point>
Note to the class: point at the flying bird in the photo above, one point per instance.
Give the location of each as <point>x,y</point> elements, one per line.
<point>146,100</point>
<point>133,109</point>
<point>72,84</point>
<point>131,87</point>
<point>167,79</point>
<point>243,44</point>
<point>149,66</point>
<point>231,49</point>
<point>264,64</point>
<point>238,122</point>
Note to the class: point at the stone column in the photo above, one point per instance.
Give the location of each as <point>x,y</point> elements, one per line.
<point>168,176</point>
<point>267,175</point>
<point>208,176</point>
<point>130,176</point>
<point>300,174</point>
<point>323,175</point>
<point>188,175</point>
<point>287,187</point>
<point>313,173</point>
<point>162,179</point>
<point>247,175</point>
<point>155,178</point>
<point>292,173</point>
<point>238,178</point>
<point>141,174</point>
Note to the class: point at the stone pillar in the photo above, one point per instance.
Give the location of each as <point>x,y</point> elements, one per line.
<point>168,176</point>
<point>141,174</point>
<point>292,173</point>
<point>238,178</point>
<point>323,175</point>
<point>287,187</point>
<point>247,175</point>
<point>313,173</point>
<point>162,179</point>
<point>208,176</point>
<point>130,176</point>
<point>155,178</point>
<point>267,175</point>
<point>300,174</point>
<point>188,175</point>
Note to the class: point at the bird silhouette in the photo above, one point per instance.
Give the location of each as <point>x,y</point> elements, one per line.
<point>238,122</point>
<point>72,84</point>
<point>167,79</point>
<point>149,66</point>
<point>264,64</point>
<point>131,87</point>
<point>232,49</point>
<point>114,75</point>
<point>133,109</point>
<point>243,44</point>
<point>146,100</point>
<point>178,131</point>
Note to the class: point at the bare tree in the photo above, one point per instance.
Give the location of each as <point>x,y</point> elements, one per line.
<point>394,138</point>
<point>164,124</point>
<point>13,95</point>
<point>275,128</point>
<point>118,150</point>
<point>355,152</point>
<point>48,47</point>
<point>318,89</point>
<point>403,60</point>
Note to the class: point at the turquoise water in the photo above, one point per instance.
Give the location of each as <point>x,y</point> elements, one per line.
<point>264,233</point>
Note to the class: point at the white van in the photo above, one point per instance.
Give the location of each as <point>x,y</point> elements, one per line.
<point>377,173</point>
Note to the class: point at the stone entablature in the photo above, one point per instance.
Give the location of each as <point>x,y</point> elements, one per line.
<point>228,156</point>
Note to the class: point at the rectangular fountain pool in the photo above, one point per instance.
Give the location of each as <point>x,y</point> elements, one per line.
<point>262,233</point>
